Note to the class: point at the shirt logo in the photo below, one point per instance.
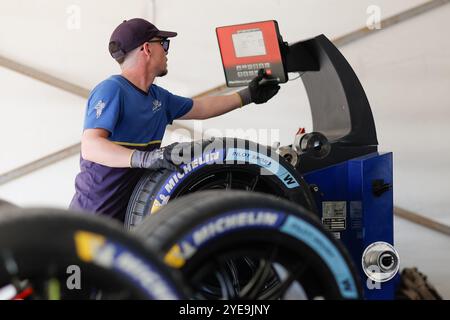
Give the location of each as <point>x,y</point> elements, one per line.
<point>156,105</point>
<point>99,108</point>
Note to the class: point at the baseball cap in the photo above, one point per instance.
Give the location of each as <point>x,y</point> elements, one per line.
<point>130,34</point>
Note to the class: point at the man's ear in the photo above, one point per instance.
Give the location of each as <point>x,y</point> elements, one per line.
<point>147,49</point>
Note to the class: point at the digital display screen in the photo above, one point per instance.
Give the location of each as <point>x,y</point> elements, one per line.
<point>249,43</point>
<point>246,48</point>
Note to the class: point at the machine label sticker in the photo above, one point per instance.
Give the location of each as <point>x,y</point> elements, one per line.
<point>315,239</point>
<point>218,226</point>
<point>268,163</point>
<point>334,215</point>
<point>98,250</point>
<point>336,235</point>
<point>163,196</point>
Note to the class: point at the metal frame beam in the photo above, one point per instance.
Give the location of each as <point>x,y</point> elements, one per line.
<point>422,220</point>
<point>40,163</point>
<point>44,77</point>
<point>389,22</point>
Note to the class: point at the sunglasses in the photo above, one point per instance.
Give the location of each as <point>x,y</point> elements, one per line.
<point>163,42</point>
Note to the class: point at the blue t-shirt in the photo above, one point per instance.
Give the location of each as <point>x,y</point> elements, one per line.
<point>135,119</point>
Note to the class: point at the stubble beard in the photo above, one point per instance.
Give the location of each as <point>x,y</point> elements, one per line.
<point>163,73</point>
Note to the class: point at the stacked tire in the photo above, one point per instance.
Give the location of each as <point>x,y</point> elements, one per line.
<point>244,245</point>
<point>220,164</point>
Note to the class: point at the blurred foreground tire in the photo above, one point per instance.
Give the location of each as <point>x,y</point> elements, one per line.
<point>56,254</point>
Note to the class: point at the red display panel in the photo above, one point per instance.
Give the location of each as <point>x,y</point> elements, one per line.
<point>246,48</point>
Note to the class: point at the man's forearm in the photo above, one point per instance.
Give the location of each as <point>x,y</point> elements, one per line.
<point>106,153</point>
<point>216,106</point>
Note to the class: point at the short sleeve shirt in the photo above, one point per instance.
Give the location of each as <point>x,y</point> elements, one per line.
<point>135,119</point>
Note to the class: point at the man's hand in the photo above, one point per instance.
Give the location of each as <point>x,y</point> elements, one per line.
<point>157,159</point>
<point>260,90</point>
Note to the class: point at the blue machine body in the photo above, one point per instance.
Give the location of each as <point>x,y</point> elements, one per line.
<point>353,210</point>
<point>340,157</point>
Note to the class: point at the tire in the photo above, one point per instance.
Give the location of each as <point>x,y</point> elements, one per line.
<point>233,164</point>
<point>42,245</point>
<point>223,242</point>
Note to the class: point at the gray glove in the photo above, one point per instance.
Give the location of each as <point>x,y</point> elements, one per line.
<point>156,159</point>
<point>260,90</point>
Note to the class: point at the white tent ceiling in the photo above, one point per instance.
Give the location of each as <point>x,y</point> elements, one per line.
<point>36,32</point>
<point>42,34</point>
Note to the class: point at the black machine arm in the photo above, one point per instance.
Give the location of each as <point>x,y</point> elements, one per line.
<point>339,106</point>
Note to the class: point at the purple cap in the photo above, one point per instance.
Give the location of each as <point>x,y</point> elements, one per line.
<point>130,34</point>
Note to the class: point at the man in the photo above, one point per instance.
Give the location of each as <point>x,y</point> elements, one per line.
<point>127,115</point>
